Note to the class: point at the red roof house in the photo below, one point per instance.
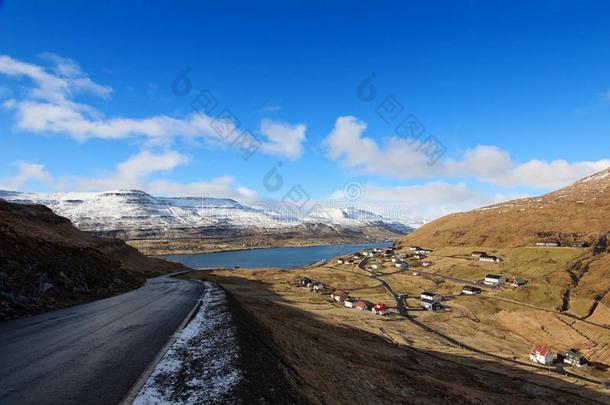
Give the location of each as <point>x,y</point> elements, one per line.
<point>363,305</point>
<point>541,354</point>
<point>380,309</point>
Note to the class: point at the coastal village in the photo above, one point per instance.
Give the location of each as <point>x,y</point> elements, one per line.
<point>418,262</point>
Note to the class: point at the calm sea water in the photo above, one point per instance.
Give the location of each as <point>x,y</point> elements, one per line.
<point>272,257</point>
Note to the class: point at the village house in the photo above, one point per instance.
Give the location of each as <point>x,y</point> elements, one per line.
<point>380,309</point>
<point>349,261</point>
<point>548,243</point>
<point>579,244</point>
<point>415,273</point>
<point>541,354</point>
<point>430,305</point>
<point>305,282</point>
<point>402,265</point>
<point>363,305</point>
<point>478,254</point>
<point>431,296</point>
<point>417,256</point>
<point>517,281</point>
<point>422,251</point>
<point>339,295</point>
<point>573,357</point>
<point>494,279</point>
<point>427,263</point>
<point>350,302</point>
<point>490,258</point>
<point>414,248</point>
<point>374,267</point>
<point>340,261</point>
<point>318,287</point>
<point>470,290</point>
<point>395,260</point>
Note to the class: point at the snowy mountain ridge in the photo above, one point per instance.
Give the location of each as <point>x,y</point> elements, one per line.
<point>136,214</point>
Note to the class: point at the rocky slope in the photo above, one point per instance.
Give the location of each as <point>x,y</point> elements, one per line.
<point>46,263</point>
<point>575,213</point>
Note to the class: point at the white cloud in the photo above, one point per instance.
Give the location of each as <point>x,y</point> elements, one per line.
<point>133,173</point>
<point>27,172</point>
<point>49,107</point>
<point>408,158</point>
<point>284,139</point>
<point>420,202</point>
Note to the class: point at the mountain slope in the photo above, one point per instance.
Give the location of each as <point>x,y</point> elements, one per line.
<point>579,212</point>
<point>46,263</point>
<point>133,214</point>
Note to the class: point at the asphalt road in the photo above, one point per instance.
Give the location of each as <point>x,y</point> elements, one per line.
<point>91,353</point>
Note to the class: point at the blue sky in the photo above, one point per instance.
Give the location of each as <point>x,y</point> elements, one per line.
<point>516,95</point>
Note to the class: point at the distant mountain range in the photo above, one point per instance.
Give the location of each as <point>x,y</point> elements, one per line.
<point>134,214</point>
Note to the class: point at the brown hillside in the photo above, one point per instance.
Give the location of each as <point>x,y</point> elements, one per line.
<point>47,263</point>
<point>579,212</point>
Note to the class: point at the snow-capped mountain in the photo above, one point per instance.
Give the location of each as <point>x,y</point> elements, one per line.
<point>134,214</point>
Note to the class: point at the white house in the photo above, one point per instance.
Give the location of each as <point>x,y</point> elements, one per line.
<point>489,258</point>
<point>430,296</point>
<point>350,302</point>
<point>340,261</point>
<point>541,354</point>
<point>430,305</point>
<point>402,265</point>
<point>494,279</point>
<point>470,290</point>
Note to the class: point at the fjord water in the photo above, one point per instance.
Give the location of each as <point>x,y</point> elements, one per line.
<point>272,257</point>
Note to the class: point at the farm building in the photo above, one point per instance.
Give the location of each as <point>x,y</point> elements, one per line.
<point>573,357</point>
<point>364,305</point>
<point>494,279</point>
<point>478,254</point>
<point>517,281</point>
<point>541,354</point>
<point>489,258</point>
<point>470,290</point>
<point>427,263</point>
<point>430,305</point>
<point>553,243</point>
<point>350,302</point>
<point>380,309</point>
<point>339,295</point>
<point>431,296</point>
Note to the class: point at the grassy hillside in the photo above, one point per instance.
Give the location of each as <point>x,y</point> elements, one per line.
<point>47,263</point>
<point>576,213</point>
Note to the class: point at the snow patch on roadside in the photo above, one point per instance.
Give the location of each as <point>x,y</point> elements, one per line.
<point>201,367</point>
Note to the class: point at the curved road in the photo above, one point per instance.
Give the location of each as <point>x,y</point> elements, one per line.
<point>91,353</point>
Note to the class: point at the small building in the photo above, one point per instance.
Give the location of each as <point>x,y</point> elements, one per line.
<point>402,265</point>
<point>431,296</point>
<point>430,305</point>
<point>349,261</point>
<point>422,252</point>
<point>478,253</point>
<point>551,243</point>
<point>380,309</point>
<point>364,305</point>
<point>541,354</point>
<point>339,295</point>
<point>494,279</point>
<point>470,290</point>
<point>517,281</point>
<point>415,273</point>
<point>396,260</point>
<point>374,267</point>
<point>414,248</point>
<point>350,302</point>
<point>573,357</point>
<point>417,256</point>
<point>340,261</point>
<point>318,287</point>
<point>427,263</point>
<point>305,282</point>
<point>490,258</point>
<point>579,244</point>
